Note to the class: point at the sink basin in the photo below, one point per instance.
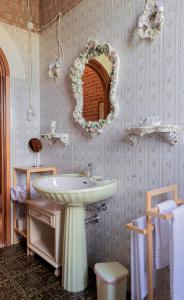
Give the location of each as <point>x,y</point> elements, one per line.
<point>75,189</point>
<point>75,192</point>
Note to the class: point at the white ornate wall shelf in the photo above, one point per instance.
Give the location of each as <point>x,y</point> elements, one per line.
<point>168,132</point>
<point>54,137</point>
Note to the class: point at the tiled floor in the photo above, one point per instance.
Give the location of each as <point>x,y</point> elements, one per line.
<point>23,278</point>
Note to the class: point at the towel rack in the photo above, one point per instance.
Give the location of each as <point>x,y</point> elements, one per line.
<point>153,212</point>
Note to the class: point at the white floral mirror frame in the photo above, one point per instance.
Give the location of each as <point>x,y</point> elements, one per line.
<point>94,49</point>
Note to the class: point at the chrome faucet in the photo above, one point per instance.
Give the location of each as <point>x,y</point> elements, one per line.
<point>90,170</point>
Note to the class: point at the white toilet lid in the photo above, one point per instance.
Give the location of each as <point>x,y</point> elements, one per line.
<point>110,272</point>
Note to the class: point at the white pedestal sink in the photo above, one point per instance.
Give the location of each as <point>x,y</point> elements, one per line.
<point>76,192</point>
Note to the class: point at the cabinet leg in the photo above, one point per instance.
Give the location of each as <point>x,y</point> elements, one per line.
<point>28,251</point>
<point>31,253</point>
<point>15,239</point>
<point>57,272</point>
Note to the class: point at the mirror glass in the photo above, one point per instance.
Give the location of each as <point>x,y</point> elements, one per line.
<point>35,145</point>
<point>94,81</point>
<point>96,87</point>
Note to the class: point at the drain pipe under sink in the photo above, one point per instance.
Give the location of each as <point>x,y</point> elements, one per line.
<point>96,217</point>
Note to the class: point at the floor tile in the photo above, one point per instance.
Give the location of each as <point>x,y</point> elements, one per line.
<point>23,278</point>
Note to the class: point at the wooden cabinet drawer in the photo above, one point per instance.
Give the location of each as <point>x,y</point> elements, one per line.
<point>42,217</point>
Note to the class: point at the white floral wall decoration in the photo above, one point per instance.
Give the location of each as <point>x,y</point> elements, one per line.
<point>55,64</point>
<point>151,22</point>
<point>55,68</point>
<point>92,50</point>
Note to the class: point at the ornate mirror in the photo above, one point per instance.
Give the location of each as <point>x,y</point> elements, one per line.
<point>94,78</point>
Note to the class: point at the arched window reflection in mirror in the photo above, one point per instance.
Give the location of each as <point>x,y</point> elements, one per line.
<point>96,87</point>
<point>101,61</point>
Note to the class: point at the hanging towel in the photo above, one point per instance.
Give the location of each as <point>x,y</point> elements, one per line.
<point>139,276</point>
<point>177,254</point>
<point>162,237</point>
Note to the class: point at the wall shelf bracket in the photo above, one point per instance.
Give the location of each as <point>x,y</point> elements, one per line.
<point>52,138</point>
<point>168,132</point>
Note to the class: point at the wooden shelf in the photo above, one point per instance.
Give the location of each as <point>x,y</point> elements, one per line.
<point>21,232</point>
<point>35,169</point>
<point>45,221</point>
<point>46,246</point>
<point>27,170</point>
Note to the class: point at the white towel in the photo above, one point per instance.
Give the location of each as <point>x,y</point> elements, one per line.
<point>19,193</point>
<point>177,254</point>
<point>139,276</point>
<point>162,237</point>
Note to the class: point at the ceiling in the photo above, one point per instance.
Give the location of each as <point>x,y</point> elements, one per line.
<point>41,11</point>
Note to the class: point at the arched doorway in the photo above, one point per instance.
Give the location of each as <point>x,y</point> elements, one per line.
<point>5,174</point>
<point>96,87</point>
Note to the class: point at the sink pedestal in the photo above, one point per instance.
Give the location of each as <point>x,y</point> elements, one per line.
<point>74,267</point>
<point>76,192</point>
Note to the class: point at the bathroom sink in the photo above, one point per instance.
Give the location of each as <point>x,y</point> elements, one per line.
<point>75,189</point>
<point>75,192</point>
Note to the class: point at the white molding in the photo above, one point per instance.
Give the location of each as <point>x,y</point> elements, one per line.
<point>54,137</point>
<point>168,132</point>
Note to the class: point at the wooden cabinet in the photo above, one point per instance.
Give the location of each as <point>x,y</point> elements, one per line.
<point>28,171</point>
<point>45,230</point>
